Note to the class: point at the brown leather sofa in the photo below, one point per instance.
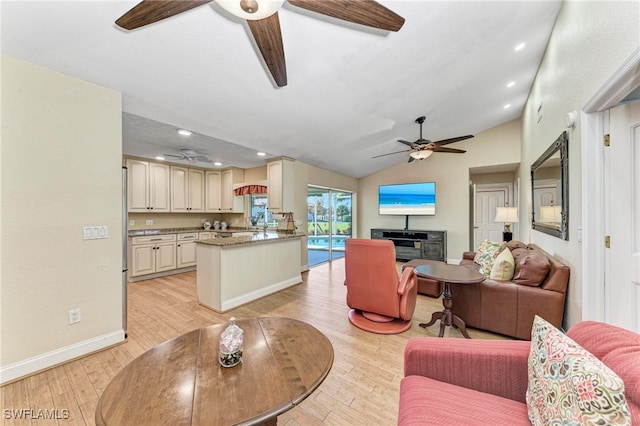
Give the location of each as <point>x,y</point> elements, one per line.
<point>507,307</point>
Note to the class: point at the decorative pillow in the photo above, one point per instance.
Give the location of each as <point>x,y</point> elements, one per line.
<point>486,254</point>
<point>570,386</point>
<point>503,266</point>
<point>531,270</point>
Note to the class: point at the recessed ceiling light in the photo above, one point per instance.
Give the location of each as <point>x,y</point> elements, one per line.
<point>519,47</point>
<point>184,132</point>
<point>507,106</point>
<point>159,157</point>
<point>217,163</point>
<point>511,84</point>
<point>262,154</point>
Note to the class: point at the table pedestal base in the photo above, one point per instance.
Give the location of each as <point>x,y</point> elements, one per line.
<point>446,317</point>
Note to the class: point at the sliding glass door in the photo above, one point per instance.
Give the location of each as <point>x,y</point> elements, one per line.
<point>329,218</point>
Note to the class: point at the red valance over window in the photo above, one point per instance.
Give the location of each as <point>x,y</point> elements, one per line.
<point>250,189</point>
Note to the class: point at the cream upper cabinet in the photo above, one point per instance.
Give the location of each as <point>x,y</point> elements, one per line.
<point>230,202</point>
<point>212,185</point>
<point>280,185</point>
<point>148,186</point>
<point>187,189</point>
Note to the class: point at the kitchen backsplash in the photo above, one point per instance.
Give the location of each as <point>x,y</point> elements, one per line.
<point>181,220</point>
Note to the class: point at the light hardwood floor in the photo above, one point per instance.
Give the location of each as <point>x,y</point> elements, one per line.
<point>361,389</point>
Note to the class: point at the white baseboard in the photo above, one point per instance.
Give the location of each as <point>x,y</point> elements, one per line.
<point>41,362</point>
<point>257,294</point>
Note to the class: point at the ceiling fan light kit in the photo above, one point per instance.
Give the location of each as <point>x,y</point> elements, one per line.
<point>421,155</point>
<point>251,9</point>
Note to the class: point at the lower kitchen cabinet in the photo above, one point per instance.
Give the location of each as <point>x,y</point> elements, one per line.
<point>186,246</point>
<point>151,254</point>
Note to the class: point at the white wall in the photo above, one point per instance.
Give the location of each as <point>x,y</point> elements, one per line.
<point>588,44</point>
<point>500,145</point>
<point>60,170</point>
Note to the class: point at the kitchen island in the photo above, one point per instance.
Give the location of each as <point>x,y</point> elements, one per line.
<point>236,270</point>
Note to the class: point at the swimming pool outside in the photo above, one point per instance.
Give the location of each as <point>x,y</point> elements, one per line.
<point>322,241</point>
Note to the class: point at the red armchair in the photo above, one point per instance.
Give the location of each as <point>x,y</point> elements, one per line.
<point>484,382</point>
<point>380,300</point>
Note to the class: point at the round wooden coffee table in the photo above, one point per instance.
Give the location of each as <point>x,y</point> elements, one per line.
<point>181,382</point>
<point>448,274</point>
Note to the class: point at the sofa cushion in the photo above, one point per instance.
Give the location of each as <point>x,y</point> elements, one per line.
<point>569,385</point>
<point>486,254</point>
<point>426,401</point>
<point>515,244</point>
<point>531,270</point>
<point>503,266</point>
<point>619,349</point>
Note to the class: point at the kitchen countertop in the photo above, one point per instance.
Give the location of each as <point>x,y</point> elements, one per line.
<point>257,237</point>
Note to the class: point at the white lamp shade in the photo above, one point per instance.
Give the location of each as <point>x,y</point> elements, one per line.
<point>551,214</point>
<point>506,214</point>
<point>262,8</point>
<point>422,154</point>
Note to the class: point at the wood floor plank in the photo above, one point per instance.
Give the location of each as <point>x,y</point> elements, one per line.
<point>361,388</point>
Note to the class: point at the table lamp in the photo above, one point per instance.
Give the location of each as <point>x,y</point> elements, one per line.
<point>508,215</point>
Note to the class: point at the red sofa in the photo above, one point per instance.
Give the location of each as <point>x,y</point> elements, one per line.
<point>483,382</point>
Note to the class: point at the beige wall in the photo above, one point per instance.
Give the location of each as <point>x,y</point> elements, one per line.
<point>60,171</point>
<point>497,146</point>
<point>589,42</point>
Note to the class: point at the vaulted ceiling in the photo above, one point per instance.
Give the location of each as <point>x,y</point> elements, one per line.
<point>351,92</point>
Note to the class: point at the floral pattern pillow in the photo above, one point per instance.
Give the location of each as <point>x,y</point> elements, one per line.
<point>570,386</point>
<point>486,254</point>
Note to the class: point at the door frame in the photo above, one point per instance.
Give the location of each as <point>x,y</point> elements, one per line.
<point>594,118</point>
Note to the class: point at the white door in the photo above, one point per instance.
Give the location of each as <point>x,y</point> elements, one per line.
<point>485,227</point>
<point>622,283</point>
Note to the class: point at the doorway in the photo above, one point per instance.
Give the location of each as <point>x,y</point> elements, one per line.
<point>329,216</point>
<point>603,288</point>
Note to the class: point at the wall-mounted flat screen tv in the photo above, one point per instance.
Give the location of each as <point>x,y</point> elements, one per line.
<point>407,199</point>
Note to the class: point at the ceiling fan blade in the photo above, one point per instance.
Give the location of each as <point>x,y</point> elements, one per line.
<point>449,150</point>
<point>364,12</point>
<point>411,144</point>
<point>266,32</point>
<point>452,140</point>
<point>150,11</point>
<point>410,159</point>
<point>391,153</point>
<point>202,159</point>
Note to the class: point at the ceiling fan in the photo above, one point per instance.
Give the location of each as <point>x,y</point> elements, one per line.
<point>423,148</point>
<point>190,155</point>
<point>262,17</point>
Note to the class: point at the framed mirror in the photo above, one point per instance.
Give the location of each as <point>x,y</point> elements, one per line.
<point>550,189</point>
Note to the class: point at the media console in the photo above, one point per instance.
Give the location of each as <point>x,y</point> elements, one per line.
<point>415,244</point>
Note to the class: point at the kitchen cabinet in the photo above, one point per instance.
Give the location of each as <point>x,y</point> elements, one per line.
<point>151,254</point>
<point>186,249</point>
<point>148,186</point>
<point>187,190</point>
<point>212,188</point>
<point>230,202</point>
<point>280,185</point>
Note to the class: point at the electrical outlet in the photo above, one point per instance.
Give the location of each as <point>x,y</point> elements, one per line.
<point>149,221</point>
<point>132,223</point>
<point>74,316</point>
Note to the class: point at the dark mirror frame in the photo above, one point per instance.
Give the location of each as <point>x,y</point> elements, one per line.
<point>560,145</point>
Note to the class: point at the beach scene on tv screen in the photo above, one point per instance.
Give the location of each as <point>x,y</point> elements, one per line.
<point>408,199</point>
